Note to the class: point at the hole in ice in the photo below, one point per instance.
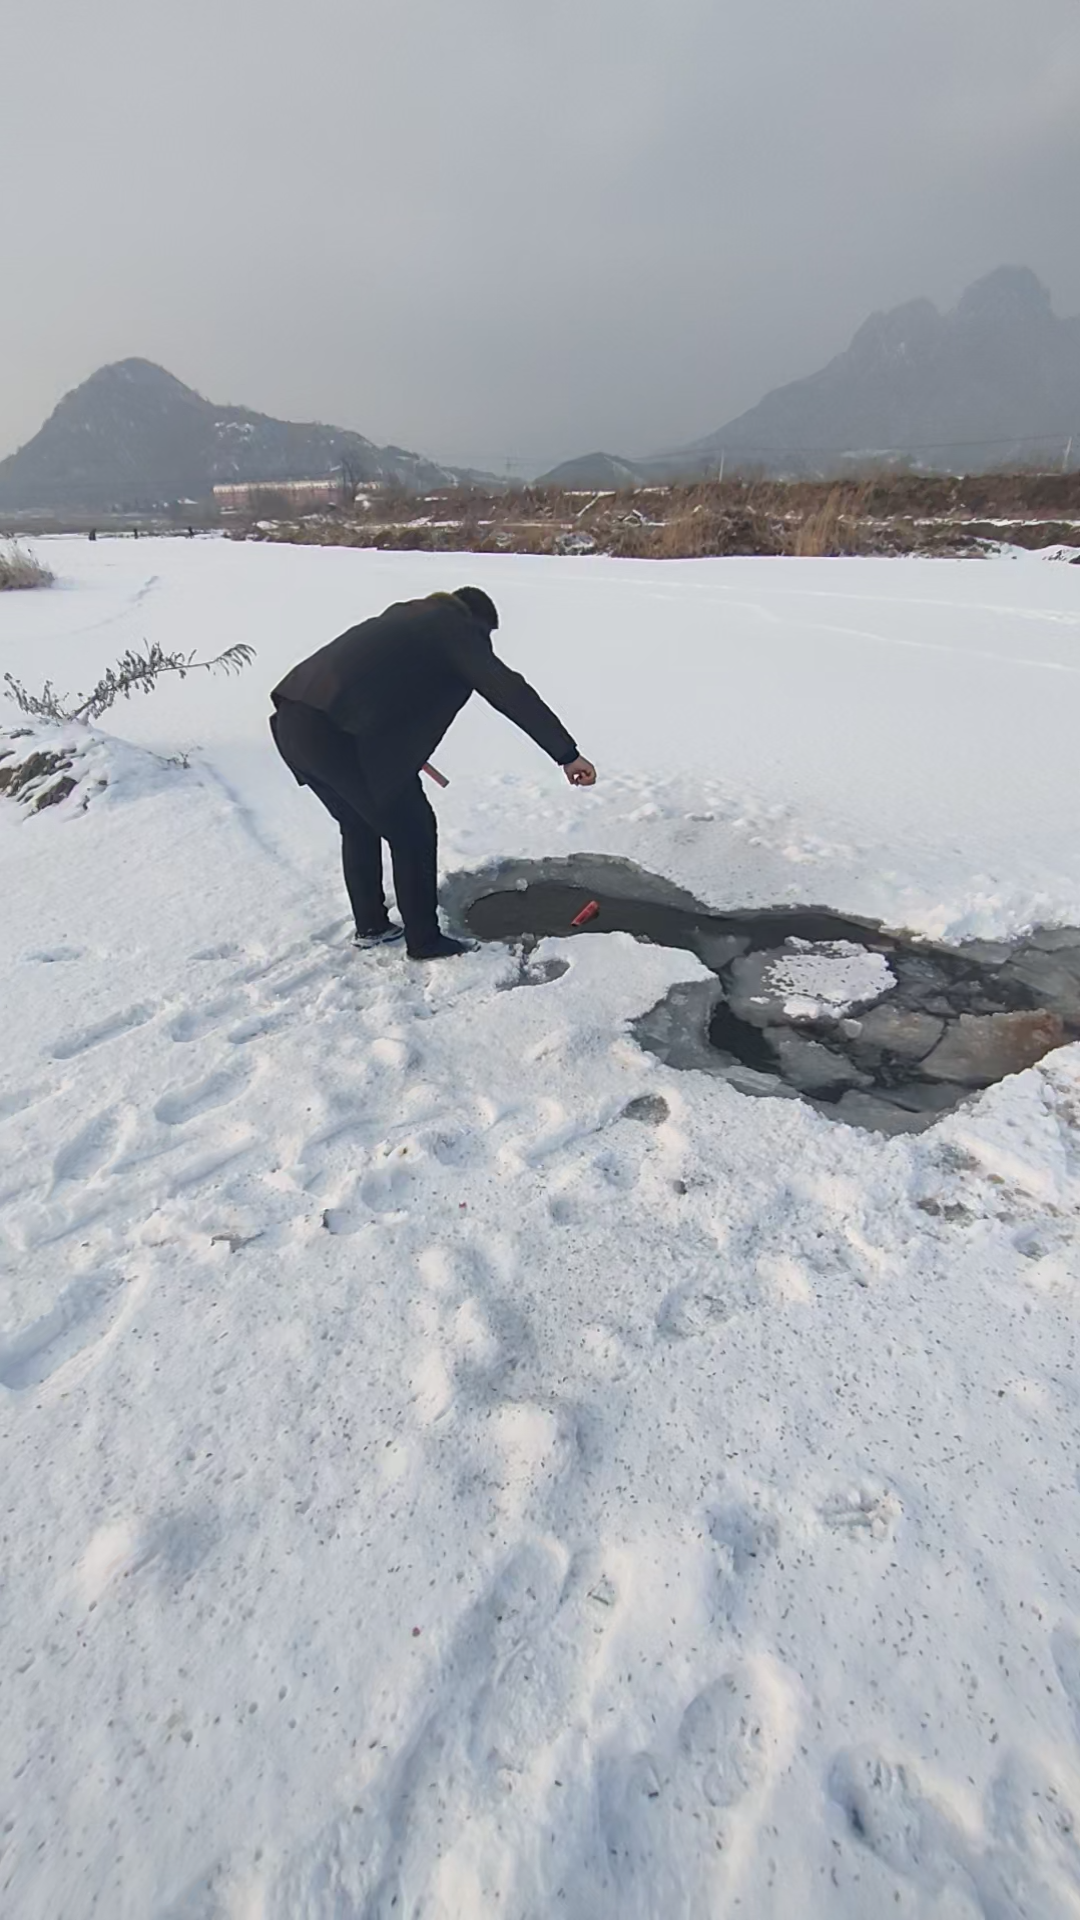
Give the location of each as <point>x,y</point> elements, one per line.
<point>869,1026</point>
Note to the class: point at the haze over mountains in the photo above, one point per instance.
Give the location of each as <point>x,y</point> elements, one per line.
<point>994,382</point>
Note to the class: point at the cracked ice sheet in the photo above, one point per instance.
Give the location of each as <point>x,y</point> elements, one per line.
<point>425,1489</point>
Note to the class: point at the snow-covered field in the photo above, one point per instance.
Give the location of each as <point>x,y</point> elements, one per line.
<point>427,1491</point>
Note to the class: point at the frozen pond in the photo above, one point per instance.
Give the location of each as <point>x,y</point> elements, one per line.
<point>871,1027</point>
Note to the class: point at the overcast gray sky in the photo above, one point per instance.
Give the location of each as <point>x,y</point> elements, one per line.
<point>495,229</point>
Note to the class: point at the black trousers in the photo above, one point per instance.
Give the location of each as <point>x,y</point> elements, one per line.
<point>326,760</point>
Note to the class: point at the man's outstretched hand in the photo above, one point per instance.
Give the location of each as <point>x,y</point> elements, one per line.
<point>580,772</point>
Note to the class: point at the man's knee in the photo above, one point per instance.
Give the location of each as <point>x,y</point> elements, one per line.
<point>409,817</point>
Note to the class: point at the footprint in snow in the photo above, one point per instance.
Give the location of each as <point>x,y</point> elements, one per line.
<point>54,956</point>
<point>82,1316</point>
<point>886,1813</point>
<point>343,1221</point>
<point>332,935</point>
<point>526,1452</point>
<point>533,1695</point>
<point>168,1549</point>
<point>395,1053</point>
<point>615,1170</point>
<point>504,1705</point>
<point>296,983</point>
<point>90,1150</point>
<point>203,1096</point>
<point>1024,1862</point>
<point>535,973</point>
<point>20,1100</point>
<point>226,951</point>
<point>565,1209</point>
<point>195,1022</point>
<point>69,1046</point>
<point>333,1150</point>
<point>450,1147</point>
<point>696,1307</point>
<point>665,1813</point>
<point>748,1536</point>
<point>387,1186</point>
<point>867,1513</point>
<point>475,1338</point>
<point>210,1166</point>
<point>258,1026</point>
<point>382,1192</point>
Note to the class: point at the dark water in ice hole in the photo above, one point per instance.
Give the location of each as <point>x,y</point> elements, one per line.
<point>957,1019</point>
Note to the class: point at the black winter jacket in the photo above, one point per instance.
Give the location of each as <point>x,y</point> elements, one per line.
<point>396,682</point>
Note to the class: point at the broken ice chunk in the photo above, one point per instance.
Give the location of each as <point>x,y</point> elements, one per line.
<point>808,981</point>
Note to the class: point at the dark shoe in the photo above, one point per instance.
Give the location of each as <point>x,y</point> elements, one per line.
<point>442,948</point>
<point>383,937</point>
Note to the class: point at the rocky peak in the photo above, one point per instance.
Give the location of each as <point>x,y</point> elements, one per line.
<point>1008,296</point>
<point>898,333</point>
<point>993,382</point>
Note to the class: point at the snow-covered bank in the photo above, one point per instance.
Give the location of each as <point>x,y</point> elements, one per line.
<point>425,1482</point>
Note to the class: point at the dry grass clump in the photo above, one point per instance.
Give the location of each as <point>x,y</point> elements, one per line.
<point>835,520</point>
<point>705,520</point>
<point>869,513</point>
<point>21,569</point>
<point>819,532</point>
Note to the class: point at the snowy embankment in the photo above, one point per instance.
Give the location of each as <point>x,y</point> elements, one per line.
<point>428,1488</point>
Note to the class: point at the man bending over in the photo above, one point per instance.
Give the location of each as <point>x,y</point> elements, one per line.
<point>358,720</point>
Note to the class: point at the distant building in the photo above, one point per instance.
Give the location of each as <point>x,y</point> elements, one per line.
<point>241,496</point>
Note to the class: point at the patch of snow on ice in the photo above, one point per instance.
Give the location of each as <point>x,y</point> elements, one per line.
<point>822,980</point>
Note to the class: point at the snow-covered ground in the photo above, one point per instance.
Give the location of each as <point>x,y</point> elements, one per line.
<point>428,1490</point>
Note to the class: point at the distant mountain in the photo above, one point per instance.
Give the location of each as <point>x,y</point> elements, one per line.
<point>134,437</point>
<point>592,471</point>
<point>994,382</point>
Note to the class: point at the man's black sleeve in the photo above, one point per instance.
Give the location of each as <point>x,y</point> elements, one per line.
<point>474,657</point>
